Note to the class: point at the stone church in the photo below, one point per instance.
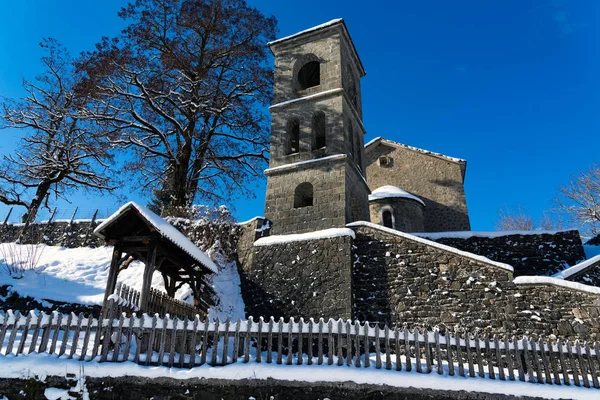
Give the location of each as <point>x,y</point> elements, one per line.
<point>381,231</point>
<point>321,175</point>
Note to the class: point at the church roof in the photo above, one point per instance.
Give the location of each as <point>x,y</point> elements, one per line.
<point>388,191</point>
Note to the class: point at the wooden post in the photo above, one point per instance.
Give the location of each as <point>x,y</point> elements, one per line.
<point>90,228</point>
<point>279,341</point>
<point>112,276</point>
<point>147,280</point>
<point>7,216</point>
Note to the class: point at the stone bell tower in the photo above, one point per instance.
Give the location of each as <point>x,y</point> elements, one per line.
<point>317,168</point>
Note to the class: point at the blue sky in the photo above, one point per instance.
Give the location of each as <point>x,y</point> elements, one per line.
<point>511,86</point>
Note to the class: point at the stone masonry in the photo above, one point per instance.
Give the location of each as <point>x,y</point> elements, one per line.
<point>310,278</point>
<point>398,279</point>
<point>407,213</point>
<point>529,254</point>
<point>437,180</point>
<point>330,170</point>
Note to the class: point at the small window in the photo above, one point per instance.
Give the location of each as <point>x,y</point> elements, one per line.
<point>318,126</point>
<point>385,162</point>
<point>386,219</point>
<point>293,132</point>
<point>303,195</point>
<point>309,75</point>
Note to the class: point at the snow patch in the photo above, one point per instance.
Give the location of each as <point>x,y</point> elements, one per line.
<point>564,274</point>
<point>388,191</point>
<point>44,365</point>
<point>301,237</point>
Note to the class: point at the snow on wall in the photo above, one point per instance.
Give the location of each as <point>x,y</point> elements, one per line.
<point>432,244</point>
<point>301,237</point>
<point>564,274</point>
<point>547,280</point>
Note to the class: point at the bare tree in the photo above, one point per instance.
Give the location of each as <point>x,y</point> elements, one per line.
<point>60,151</point>
<point>580,199</point>
<point>184,87</point>
<point>514,220</point>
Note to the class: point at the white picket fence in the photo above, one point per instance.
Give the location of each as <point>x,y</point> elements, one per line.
<point>174,342</point>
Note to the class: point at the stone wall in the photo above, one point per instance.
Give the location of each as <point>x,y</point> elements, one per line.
<point>407,213</point>
<point>438,181</point>
<point>588,276</point>
<point>163,388</point>
<point>529,254</point>
<point>335,200</point>
<point>310,278</point>
<point>60,233</point>
<point>399,279</point>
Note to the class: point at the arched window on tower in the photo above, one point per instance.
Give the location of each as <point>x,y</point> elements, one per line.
<point>309,75</point>
<point>318,130</point>
<point>303,195</point>
<point>293,136</point>
<point>387,218</point>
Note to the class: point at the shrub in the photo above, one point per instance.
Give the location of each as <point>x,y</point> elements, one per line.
<point>19,258</point>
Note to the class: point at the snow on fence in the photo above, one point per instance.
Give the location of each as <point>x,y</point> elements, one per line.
<point>127,299</point>
<point>174,342</point>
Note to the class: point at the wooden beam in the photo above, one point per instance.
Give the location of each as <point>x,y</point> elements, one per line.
<point>147,280</point>
<point>113,272</point>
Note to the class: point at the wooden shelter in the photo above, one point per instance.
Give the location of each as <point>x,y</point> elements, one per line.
<point>138,234</point>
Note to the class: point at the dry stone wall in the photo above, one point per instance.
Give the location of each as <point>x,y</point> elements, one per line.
<point>300,279</point>
<point>401,280</point>
<point>60,233</point>
<point>530,254</point>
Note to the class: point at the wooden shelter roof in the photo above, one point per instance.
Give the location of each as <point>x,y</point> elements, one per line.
<point>133,226</point>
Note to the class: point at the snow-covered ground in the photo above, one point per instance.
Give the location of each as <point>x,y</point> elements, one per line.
<point>79,276</point>
<point>44,365</point>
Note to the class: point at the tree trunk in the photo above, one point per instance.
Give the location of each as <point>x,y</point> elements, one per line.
<point>179,185</point>
<point>36,202</point>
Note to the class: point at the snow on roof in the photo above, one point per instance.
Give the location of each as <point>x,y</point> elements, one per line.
<point>250,220</point>
<point>485,234</point>
<point>165,229</point>
<point>314,28</point>
<point>431,153</point>
<point>432,244</point>
<point>300,237</point>
<point>547,280</point>
<point>388,191</point>
<point>564,274</point>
